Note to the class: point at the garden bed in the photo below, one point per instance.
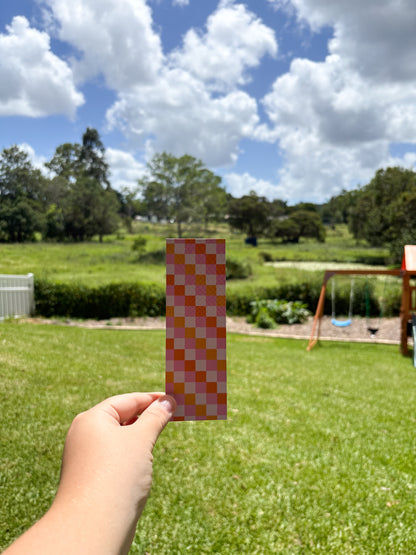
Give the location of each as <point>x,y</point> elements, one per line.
<point>389,328</point>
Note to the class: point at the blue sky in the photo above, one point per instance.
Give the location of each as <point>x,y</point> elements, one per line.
<point>296,99</point>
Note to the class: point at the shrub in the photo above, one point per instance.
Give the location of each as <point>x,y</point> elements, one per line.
<point>153,257</point>
<point>139,245</point>
<point>264,320</point>
<point>277,311</point>
<point>237,270</point>
<point>106,301</point>
<point>265,256</point>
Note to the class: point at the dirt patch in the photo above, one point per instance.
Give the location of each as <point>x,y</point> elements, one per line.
<point>388,332</point>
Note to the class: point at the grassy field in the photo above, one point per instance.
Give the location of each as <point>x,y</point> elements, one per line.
<point>94,263</point>
<point>317,455</point>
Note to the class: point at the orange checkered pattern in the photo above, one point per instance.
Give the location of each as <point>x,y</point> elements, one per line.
<point>195,328</point>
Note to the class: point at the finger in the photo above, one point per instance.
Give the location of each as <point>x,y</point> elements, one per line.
<point>155,417</point>
<point>125,407</point>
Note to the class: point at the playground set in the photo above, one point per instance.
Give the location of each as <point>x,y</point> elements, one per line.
<point>408,298</point>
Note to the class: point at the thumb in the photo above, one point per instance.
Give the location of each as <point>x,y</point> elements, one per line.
<point>155,417</point>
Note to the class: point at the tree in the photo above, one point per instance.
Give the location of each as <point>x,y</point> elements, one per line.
<point>249,214</point>
<point>81,201</point>
<point>181,189</point>
<point>156,199</point>
<point>402,229</point>
<point>22,196</point>
<point>129,207</point>
<point>310,224</point>
<point>302,223</point>
<point>373,216</point>
<point>92,157</point>
<point>287,230</point>
<point>66,161</point>
<point>338,209</point>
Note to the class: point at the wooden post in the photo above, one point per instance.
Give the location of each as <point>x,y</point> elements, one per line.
<point>316,327</point>
<point>404,313</point>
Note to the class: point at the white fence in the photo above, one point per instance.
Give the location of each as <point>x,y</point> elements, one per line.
<point>16,296</point>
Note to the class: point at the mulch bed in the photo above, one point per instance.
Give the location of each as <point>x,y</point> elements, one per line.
<point>389,328</point>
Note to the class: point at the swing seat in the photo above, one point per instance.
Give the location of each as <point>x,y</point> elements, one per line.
<point>341,323</point>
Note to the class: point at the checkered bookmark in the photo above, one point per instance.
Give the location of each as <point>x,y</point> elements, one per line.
<point>195,328</point>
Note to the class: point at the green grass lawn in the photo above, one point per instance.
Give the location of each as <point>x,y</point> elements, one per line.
<point>317,455</point>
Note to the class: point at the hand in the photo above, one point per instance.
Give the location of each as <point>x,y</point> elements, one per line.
<point>105,479</point>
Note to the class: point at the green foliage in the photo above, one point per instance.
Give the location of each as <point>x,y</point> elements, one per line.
<point>383,208</point>
<point>402,229</point>
<point>77,203</point>
<point>310,224</point>
<point>157,257</point>
<point>263,319</point>
<point>249,214</point>
<point>236,269</point>
<point>106,301</point>
<point>139,245</point>
<point>300,223</point>
<point>338,209</point>
<point>85,205</point>
<point>311,460</point>
<point>182,189</point>
<point>266,256</point>
<point>288,230</point>
<point>277,311</point>
<point>22,191</point>
<point>92,157</point>
<point>307,292</point>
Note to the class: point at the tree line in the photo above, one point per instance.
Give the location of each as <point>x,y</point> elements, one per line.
<point>382,213</point>
<point>76,201</point>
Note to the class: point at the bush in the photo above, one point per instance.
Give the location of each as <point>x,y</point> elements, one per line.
<point>147,299</point>
<point>153,257</point>
<point>265,256</point>
<point>237,270</point>
<point>266,311</point>
<point>139,244</point>
<point>307,292</point>
<point>239,302</point>
<point>106,301</point>
<point>264,320</point>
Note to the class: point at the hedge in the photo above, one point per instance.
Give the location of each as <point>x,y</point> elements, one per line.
<point>238,302</point>
<point>106,301</point>
<point>148,299</point>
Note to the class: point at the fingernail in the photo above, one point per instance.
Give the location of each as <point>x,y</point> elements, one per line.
<point>168,403</point>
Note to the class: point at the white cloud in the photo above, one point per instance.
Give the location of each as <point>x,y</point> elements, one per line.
<point>235,40</point>
<point>336,119</point>
<point>241,184</point>
<point>189,101</point>
<point>180,2</point>
<point>125,170</point>
<point>115,37</point>
<point>184,118</point>
<point>33,81</point>
<point>179,111</point>
<point>376,38</point>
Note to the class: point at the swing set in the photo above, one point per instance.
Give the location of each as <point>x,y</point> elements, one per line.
<point>408,302</point>
<point>372,327</point>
